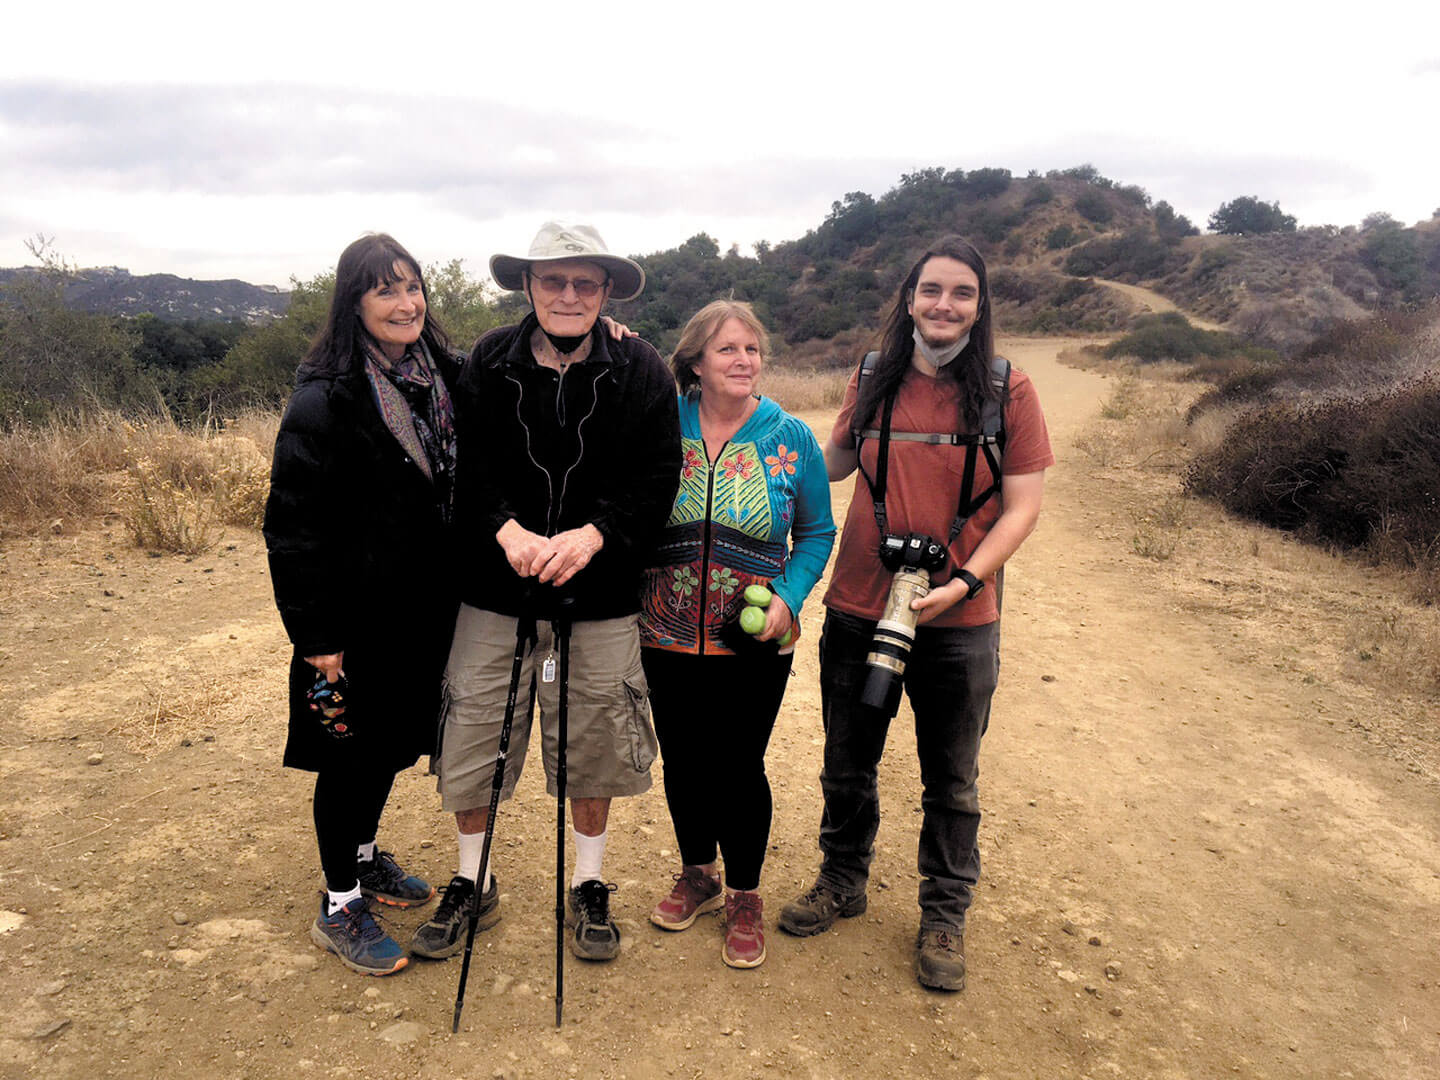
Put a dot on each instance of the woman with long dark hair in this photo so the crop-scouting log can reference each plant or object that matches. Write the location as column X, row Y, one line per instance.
column 951, row 448
column 358, row 531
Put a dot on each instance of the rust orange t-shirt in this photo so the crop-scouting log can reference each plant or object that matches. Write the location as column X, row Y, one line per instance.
column 923, row 491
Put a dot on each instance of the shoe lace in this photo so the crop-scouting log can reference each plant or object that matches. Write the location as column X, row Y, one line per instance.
column 455, row 898
column 595, row 898
column 385, row 869
column 692, row 883
column 743, row 911
column 363, row 924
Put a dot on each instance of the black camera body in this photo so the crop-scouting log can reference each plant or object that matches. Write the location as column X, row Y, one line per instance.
column 913, row 551
column 912, row 558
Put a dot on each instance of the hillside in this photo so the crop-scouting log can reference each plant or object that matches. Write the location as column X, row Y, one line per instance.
column 113, row 290
column 1045, row 238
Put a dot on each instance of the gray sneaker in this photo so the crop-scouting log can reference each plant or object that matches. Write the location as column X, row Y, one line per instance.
column 444, row 934
column 940, row 959
column 595, row 935
column 817, row 910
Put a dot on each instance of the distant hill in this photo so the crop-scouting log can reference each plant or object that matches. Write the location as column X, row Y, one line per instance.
column 113, row 290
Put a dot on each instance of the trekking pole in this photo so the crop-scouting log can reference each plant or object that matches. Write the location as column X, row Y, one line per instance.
column 524, row 632
column 562, row 631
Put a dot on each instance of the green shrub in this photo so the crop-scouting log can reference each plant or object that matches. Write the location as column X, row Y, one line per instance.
column 1061, row 236
column 1038, row 195
column 1170, row 336
column 1093, row 206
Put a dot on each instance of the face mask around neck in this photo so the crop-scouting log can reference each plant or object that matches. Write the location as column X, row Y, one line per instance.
column 940, row 357
column 564, row 345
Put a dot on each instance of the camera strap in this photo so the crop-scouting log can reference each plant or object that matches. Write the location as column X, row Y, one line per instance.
column 990, row 441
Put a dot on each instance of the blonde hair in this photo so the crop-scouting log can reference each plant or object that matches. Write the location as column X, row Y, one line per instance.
column 703, row 326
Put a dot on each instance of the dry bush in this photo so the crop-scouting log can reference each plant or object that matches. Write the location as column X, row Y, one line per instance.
column 183, row 485
column 55, row 473
column 1140, row 424
column 797, row 390
column 1350, row 471
column 1124, row 400
column 174, row 487
column 1158, row 528
column 1396, row 645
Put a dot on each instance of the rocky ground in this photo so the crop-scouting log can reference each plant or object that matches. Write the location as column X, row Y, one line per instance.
column 1210, row 844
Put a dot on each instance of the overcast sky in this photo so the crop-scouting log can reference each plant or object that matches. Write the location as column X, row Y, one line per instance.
column 256, row 140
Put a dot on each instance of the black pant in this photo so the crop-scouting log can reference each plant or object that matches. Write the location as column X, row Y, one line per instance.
column 950, row 678
column 348, row 804
column 713, row 716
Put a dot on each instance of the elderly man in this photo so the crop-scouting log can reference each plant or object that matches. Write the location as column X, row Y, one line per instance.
column 569, row 461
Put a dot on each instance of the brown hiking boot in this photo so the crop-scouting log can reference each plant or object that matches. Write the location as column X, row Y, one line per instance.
column 818, row 909
column 940, row 960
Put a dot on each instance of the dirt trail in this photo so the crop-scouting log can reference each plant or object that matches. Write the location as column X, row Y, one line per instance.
column 1179, row 786
column 1152, row 302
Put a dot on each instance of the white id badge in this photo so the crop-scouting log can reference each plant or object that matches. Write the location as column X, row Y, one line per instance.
column 547, row 670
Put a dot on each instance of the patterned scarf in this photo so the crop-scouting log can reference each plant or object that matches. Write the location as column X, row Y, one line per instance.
column 415, row 405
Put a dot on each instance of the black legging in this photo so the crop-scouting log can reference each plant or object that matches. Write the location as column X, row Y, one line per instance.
column 714, row 716
column 347, row 814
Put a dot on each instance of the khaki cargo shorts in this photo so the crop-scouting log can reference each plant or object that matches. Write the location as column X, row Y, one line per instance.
column 611, row 742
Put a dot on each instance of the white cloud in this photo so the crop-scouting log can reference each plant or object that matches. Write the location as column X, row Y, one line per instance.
column 256, row 142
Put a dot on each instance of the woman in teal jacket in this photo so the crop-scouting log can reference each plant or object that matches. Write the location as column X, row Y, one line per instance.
column 753, row 508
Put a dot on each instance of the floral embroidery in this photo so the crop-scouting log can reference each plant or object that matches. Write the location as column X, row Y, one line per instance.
column 685, row 581
column 782, row 460
column 739, row 465
column 690, row 464
column 723, row 581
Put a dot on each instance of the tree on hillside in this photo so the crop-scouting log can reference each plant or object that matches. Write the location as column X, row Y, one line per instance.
column 464, row 306
column 1170, row 225
column 260, row 369
column 53, row 357
column 1248, row 215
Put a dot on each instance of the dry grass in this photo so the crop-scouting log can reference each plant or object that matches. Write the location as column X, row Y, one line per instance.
column 1382, row 631
column 799, row 390
column 1159, row 526
column 53, row 475
column 174, row 488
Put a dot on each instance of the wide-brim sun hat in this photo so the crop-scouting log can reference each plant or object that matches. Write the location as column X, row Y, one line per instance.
column 560, row 242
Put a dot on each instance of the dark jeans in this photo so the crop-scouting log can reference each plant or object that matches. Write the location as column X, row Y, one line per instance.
column 949, row 679
column 713, row 716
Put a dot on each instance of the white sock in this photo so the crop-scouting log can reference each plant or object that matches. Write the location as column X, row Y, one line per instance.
column 366, row 852
column 337, row 900
column 472, row 846
column 589, row 857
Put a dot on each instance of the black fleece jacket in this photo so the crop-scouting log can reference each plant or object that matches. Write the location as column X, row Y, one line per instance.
column 598, row 445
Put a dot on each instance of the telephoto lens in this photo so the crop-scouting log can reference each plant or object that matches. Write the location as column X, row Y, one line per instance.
column 894, row 635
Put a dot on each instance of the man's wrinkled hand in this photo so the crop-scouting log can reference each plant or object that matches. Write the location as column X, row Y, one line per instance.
column 521, row 546
column 565, row 554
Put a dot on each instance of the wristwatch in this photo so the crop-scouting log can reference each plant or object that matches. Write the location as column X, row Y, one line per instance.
column 972, row 583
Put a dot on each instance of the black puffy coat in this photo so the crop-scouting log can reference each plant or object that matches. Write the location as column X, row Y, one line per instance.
column 361, row 560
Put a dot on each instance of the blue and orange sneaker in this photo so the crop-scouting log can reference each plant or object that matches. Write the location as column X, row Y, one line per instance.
column 355, row 937
column 382, row 879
